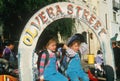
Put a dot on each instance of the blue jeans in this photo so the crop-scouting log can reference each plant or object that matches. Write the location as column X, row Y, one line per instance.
column 56, row 77
column 74, row 76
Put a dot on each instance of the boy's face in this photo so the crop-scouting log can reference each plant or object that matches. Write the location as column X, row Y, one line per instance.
column 52, row 46
column 75, row 47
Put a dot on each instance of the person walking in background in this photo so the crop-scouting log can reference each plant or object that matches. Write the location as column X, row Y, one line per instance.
column 99, row 60
column 99, row 64
column 8, row 52
column 115, row 37
column 116, row 51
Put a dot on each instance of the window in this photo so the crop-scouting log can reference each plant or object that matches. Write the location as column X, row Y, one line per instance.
column 114, row 16
column 84, row 1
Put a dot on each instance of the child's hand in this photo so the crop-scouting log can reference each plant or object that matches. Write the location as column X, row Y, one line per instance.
column 41, row 79
column 65, row 46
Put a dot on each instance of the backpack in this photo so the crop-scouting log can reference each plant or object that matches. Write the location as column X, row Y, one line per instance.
column 65, row 62
column 39, row 58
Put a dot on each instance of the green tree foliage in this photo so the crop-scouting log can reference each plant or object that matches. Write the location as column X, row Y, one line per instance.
column 63, row 26
column 14, row 15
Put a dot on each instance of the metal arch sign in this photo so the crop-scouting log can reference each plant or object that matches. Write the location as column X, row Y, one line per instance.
column 41, row 19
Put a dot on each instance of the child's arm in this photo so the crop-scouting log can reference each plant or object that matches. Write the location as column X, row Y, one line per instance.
column 70, row 52
column 42, row 65
column 84, row 48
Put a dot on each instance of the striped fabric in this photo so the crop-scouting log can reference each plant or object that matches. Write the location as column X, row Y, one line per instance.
column 42, row 63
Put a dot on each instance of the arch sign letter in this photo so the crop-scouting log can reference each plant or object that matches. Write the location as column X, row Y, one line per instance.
column 41, row 19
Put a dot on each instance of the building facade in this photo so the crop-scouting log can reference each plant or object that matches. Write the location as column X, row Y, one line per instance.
column 109, row 13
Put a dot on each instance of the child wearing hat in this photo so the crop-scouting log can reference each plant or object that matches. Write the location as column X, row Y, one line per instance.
column 74, row 70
